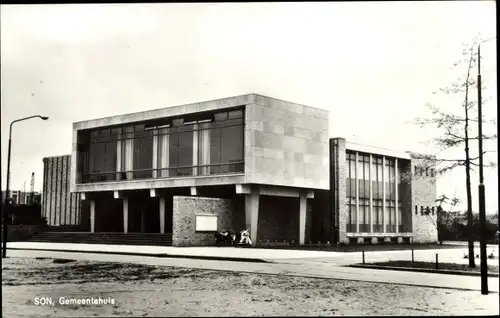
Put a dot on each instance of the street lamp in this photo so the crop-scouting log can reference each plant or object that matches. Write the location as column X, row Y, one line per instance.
column 7, row 194
column 482, row 199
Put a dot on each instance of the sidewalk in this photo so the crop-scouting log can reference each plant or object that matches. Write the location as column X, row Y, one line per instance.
column 220, row 253
column 256, row 254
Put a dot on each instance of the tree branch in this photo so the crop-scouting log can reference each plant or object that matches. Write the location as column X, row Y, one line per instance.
column 429, row 158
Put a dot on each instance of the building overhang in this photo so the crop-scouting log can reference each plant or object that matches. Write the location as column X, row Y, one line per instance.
column 159, row 183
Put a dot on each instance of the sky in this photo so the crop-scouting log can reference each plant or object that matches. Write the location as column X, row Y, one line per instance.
column 373, row 65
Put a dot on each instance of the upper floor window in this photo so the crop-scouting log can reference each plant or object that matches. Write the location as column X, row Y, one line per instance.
column 195, row 144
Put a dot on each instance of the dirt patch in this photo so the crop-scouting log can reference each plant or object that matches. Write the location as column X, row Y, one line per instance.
column 63, row 261
column 142, row 290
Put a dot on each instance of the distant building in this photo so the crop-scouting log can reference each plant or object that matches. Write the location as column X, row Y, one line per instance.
column 22, row 197
column 242, row 162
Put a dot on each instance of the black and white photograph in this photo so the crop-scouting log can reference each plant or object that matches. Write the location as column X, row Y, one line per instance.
column 236, row 159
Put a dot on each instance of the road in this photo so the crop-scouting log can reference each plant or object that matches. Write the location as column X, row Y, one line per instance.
column 321, row 268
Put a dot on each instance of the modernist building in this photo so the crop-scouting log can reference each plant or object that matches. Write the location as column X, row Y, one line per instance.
column 245, row 162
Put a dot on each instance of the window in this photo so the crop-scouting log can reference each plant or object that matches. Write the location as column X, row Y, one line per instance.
column 351, row 221
column 377, row 216
column 400, row 217
column 181, row 151
column 196, row 144
column 390, row 216
column 416, row 171
column 143, row 152
column 351, row 175
column 101, row 156
column 432, row 173
column 364, row 216
column 364, row 176
column 390, row 179
column 377, row 178
column 426, row 172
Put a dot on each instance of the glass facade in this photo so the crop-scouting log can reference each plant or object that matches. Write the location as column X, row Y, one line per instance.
column 351, row 192
column 364, row 192
column 384, row 206
column 192, row 145
column 378, row 193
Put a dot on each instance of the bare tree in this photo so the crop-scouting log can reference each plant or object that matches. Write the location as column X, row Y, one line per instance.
column 456, row 131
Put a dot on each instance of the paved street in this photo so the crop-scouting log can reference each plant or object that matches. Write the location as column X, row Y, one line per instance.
column 311, row 268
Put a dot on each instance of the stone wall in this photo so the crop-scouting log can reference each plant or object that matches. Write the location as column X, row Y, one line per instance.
column 286, row 144
column 338, row 148
column 423, row 193
column 184, row 219
column 59, row 205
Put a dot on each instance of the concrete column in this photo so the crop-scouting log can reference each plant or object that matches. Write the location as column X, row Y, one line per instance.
column 193, row 191
column 384, row 207
column 125, row 215
column 92, row 216
column 370, row 172
column 302, row 217
column 252, row 213
column 356, row 176
column 155, row 153
column 195, row 149
column 396, row 220
column 162, row 215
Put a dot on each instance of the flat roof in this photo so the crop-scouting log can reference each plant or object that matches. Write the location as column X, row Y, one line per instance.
column 170, row 111
column 377, row 150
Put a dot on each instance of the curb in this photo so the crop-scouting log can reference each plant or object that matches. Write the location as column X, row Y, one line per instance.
column 423, row 270
column 158, row 255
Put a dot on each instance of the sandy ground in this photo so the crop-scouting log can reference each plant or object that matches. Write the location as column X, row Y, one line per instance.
column 141, row 290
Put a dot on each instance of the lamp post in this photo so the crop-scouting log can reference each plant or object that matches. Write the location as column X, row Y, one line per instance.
column 7, row 193
column 482, row 199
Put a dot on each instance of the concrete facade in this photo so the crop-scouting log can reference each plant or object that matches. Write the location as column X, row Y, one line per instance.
column 184, row 218
column 286, row 144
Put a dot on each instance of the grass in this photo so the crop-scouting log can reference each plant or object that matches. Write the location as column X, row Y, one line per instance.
column 432, row 265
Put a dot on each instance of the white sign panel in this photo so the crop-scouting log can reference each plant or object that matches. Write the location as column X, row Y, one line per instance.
column 206, row 222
